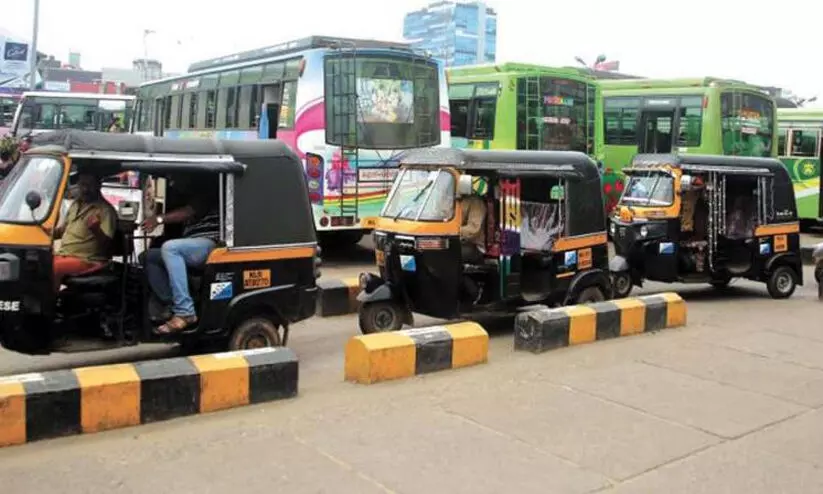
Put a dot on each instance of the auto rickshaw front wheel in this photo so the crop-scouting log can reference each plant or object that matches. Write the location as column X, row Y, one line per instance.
column 781, row 283
column 380, row 317
column 621, row 284
column 257, row 332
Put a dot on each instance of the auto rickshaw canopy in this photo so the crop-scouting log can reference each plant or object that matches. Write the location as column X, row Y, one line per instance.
column 265, row 198
column 584, row 212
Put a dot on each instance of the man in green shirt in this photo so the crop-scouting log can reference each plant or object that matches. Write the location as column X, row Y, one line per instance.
column 86, row 232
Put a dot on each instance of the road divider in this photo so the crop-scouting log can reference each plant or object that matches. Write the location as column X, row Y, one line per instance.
column 94, row 399
column 400, row 354
column 544, row 329
column 337, row 297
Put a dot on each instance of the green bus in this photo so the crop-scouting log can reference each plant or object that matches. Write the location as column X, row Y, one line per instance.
column 695, row 116
column 799, row 146
column 521, row 106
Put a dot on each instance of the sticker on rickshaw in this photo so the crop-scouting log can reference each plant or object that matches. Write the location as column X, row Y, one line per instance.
column 221, row 291
column 584, row 258
column 407, row 263
column 380, row 257
column 625, row 214
column 765, row 249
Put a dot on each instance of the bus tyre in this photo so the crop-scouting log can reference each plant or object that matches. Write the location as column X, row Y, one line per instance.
column 590, row 295
column 621, row 284
column 257, row 332
column 781, row 282
column 380, row 317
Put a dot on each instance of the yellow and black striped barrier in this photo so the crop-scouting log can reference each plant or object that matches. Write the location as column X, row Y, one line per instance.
column 385, row 356
column 94, row 399
column 337, row 297
column 544, row 329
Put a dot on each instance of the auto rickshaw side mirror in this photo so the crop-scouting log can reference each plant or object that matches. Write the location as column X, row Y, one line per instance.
column 33, row 200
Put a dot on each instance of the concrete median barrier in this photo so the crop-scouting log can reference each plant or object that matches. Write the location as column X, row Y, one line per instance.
column 400, row 354
column 337, row 297
column 544, row 329
column 93, row 399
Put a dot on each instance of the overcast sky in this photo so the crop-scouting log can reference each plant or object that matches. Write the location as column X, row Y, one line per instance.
column 657, row 38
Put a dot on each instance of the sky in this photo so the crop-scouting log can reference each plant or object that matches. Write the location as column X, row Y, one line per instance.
column 722, row 38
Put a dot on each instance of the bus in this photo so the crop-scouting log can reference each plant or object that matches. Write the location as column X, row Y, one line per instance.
column 41, row 111
column 524, row 106
column 696, row 116
column 347, row 107
column 799, row 145
column 8, row 105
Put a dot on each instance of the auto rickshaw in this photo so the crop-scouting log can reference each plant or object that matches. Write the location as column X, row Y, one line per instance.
column 706, row 219
column 543, row 236
column 258, row 281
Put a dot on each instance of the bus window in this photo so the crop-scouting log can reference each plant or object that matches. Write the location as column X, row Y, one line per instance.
column 781, row 142
column 459, row 109
column 620, row 120
column 804, row 143
column 747, row 124
column 193, row 107
column 211, row 108
column 483, row 118
column 232, row 94
column 77, row 117
column 565, row 110
column 690, row 121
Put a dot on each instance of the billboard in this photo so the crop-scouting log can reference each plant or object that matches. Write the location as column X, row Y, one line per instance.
column 14, row 63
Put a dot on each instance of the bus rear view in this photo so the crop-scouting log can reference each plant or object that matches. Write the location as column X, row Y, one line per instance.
column 45, row 111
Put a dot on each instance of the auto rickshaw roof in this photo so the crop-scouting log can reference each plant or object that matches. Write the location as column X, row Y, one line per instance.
column 157, row 154
column 567, row 163
column 738, row 165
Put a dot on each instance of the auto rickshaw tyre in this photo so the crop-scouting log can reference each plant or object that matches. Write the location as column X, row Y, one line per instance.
column 782, row 282
column 256, row 332
column 818, row 273
column 380, row 317
column 590, row 295
column 621, row 285
column 721, row 283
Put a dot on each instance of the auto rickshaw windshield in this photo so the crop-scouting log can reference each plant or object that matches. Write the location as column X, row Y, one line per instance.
column 33, row 174
column 424, row 195
column 652, row 189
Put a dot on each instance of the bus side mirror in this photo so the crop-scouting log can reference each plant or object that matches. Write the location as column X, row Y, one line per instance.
column 33, row 200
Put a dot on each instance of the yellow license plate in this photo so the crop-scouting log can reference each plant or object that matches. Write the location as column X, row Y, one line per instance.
column 380, row 257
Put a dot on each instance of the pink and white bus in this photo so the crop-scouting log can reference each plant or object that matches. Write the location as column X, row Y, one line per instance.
column 347, row 107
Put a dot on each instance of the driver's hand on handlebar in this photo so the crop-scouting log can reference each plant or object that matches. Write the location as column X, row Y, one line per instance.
column 149, row 224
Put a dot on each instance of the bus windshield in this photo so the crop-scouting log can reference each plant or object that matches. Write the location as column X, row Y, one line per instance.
column 41, row 113
column 565, row 115
column 385, row 101
column 38, row 174
column 654, row 189
column 421, row 195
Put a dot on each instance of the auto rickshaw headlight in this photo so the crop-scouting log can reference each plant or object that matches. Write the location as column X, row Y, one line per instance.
column 612, row 228
column 644, row 231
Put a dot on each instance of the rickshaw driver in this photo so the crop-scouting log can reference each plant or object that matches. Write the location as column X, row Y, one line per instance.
column 472, row 231
column 166, row 267
column 87, row 233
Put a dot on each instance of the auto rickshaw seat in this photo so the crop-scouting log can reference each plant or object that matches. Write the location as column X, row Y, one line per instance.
column 107, row 273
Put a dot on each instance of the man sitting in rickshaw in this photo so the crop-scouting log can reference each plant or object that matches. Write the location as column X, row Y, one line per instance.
column 166, row 267
column 86, row 233
column 472, row 231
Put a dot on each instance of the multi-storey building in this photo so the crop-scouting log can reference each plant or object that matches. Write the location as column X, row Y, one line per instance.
column 460, row 33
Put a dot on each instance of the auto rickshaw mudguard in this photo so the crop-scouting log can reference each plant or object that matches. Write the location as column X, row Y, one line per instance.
column 618, row 264
column 384, row 291
column 791, row 259
column 592, row 277
column 285, row 304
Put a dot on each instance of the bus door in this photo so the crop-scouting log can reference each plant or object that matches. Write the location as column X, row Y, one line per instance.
column 657, row 122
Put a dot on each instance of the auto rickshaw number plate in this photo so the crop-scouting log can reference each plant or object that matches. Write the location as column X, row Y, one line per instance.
column 781, row 243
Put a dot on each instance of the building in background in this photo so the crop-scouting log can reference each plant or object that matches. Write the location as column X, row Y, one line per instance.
column 460, row 33
column 74, row 59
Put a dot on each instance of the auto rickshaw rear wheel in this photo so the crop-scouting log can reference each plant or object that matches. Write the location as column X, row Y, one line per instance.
column 721, row 283
column 781, row 283
column 590, row 295
column 380, row 317
column 257, row 332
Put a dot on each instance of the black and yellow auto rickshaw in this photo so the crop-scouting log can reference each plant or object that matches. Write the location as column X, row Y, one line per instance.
column 706, row 219
column 540, row 236
column 257, row 281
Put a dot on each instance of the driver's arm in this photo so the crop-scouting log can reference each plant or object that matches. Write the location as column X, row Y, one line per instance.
column 476, row 214
column 60, row 229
